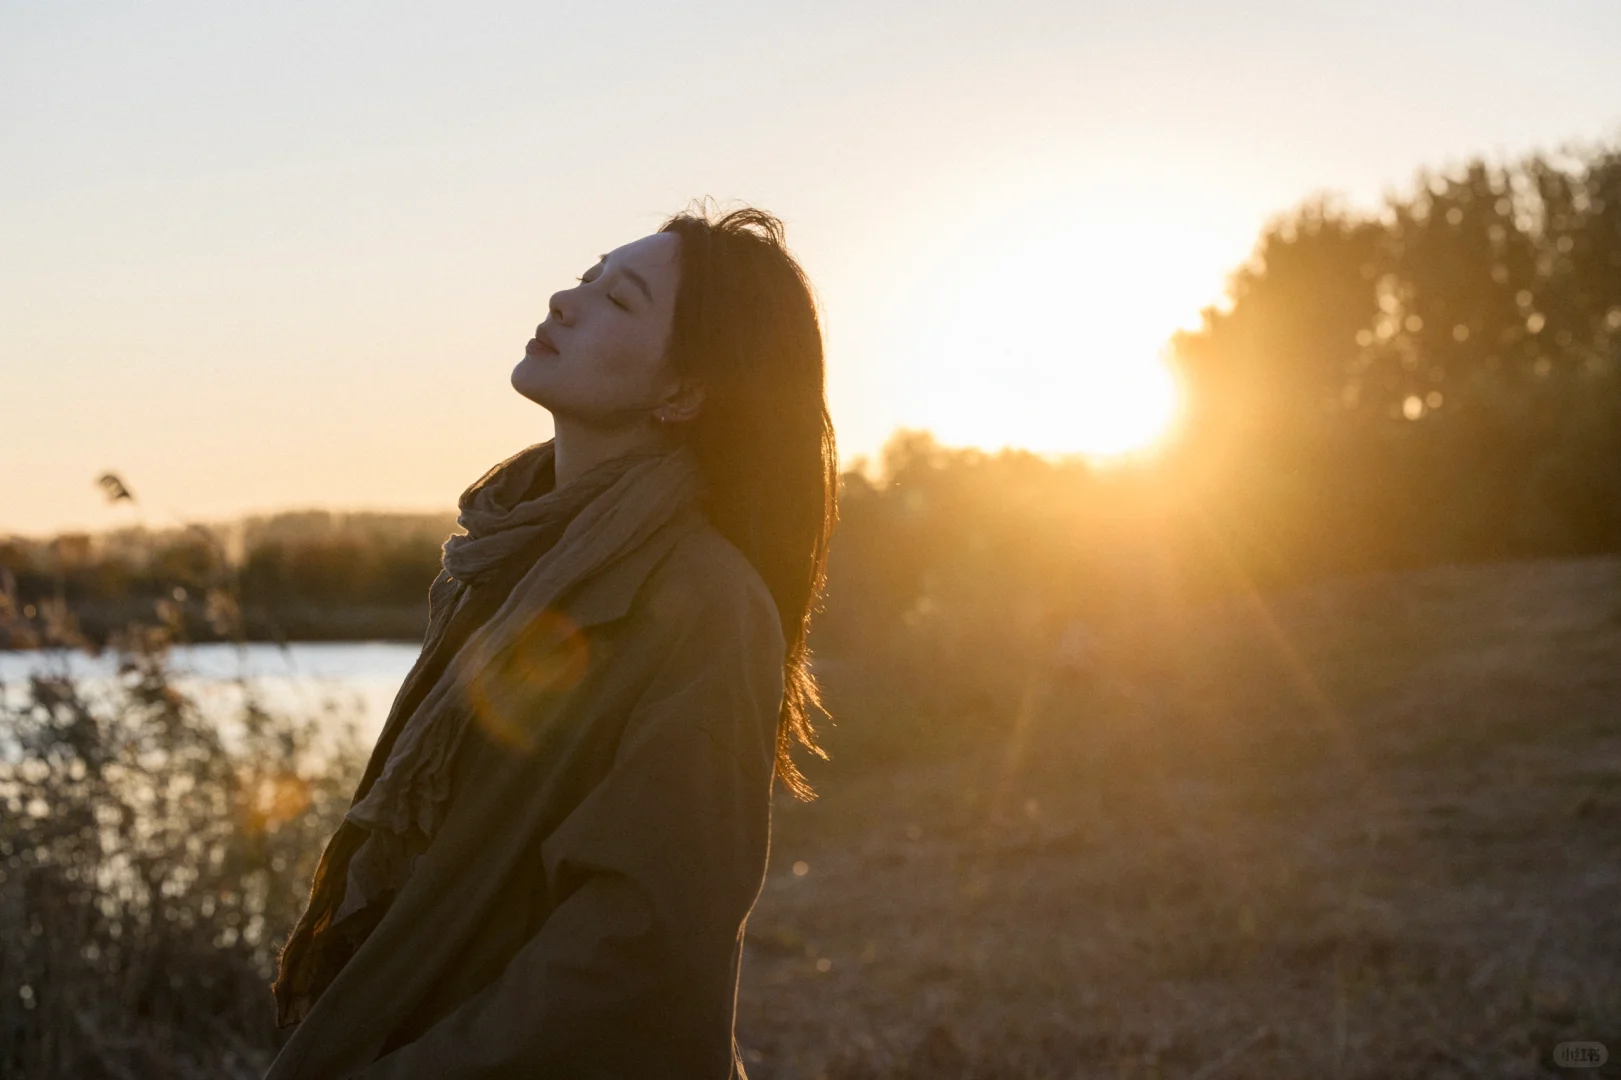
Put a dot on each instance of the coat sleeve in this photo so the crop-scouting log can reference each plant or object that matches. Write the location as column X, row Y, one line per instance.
column 634, row 972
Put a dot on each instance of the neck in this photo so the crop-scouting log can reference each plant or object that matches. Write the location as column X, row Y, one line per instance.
column 578, row 447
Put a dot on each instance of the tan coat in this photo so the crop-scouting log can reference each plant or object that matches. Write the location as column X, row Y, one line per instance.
column 580, row 913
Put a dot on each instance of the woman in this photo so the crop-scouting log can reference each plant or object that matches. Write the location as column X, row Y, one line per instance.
column 547, row 866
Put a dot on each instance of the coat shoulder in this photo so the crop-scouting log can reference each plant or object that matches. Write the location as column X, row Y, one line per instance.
column 705, row 578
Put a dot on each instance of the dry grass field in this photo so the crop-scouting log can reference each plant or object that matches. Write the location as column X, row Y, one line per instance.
column 1371, row 828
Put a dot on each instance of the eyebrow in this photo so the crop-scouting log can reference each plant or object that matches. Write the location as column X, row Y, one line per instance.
column 640, row 281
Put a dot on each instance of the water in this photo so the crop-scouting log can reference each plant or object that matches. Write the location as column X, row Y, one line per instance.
column 359, row 679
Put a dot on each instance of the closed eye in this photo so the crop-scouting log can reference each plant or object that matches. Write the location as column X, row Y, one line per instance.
column 622, row 307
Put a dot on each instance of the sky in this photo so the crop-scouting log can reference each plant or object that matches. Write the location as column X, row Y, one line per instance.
column 262, row 257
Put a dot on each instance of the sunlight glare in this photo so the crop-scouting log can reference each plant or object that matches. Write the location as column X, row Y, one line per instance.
column 1051, row 336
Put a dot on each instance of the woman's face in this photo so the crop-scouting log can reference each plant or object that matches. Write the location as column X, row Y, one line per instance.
column 600, row 355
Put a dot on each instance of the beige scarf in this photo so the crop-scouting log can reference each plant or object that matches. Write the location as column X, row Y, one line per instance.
column 521, row 651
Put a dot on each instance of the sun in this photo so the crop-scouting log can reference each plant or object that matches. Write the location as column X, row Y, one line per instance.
column 1051, row 336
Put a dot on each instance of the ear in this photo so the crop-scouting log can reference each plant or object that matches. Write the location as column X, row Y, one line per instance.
column 683, row 403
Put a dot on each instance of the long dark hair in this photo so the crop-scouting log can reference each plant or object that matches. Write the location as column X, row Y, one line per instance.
column 746, row 327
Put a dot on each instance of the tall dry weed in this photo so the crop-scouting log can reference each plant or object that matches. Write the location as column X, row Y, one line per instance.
column 152, row 857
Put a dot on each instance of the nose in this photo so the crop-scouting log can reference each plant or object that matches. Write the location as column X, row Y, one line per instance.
column 559, row 305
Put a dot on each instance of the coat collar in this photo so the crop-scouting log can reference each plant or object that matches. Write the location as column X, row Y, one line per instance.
column 607, row 594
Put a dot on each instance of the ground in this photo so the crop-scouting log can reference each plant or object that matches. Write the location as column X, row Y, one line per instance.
column 1368, row 828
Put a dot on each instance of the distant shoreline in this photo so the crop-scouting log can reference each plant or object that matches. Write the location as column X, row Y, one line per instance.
column 98, row 621
column 10, row 649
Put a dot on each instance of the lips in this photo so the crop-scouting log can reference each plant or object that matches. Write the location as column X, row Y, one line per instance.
column 540, row 344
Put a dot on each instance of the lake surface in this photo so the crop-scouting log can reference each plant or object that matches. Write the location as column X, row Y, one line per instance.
column 358, row 679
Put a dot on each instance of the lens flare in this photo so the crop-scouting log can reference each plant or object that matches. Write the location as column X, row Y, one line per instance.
column 515, row 691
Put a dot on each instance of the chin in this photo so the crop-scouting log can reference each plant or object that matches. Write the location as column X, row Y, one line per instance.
column 530, row 382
